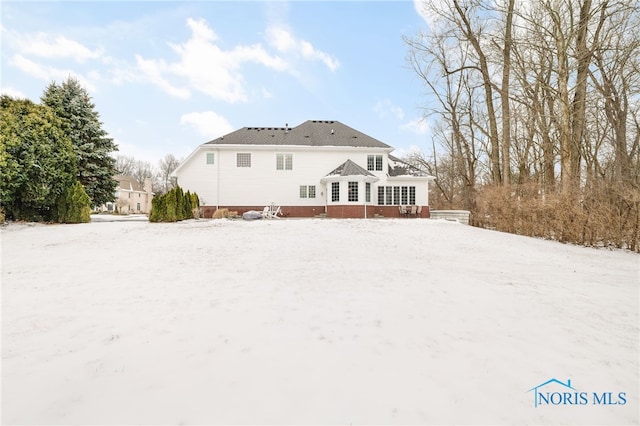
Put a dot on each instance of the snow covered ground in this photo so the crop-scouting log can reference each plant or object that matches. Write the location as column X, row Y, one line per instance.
column 313, row 321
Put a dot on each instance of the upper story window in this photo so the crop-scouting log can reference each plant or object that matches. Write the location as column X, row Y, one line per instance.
column 243, row 159
column 211, row 156
column 284, row 161
column 374, row 162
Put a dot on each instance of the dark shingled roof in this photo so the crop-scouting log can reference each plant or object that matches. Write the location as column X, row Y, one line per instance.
column 349, row 168
column 398, row 167
column 309, row 133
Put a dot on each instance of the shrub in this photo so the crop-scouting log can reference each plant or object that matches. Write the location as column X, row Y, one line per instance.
column 173, row 206
column 74, row 206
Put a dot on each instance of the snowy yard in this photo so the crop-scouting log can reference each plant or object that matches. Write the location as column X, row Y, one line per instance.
column 311, row 321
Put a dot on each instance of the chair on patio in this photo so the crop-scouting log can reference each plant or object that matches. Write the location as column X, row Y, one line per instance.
column 403, row 210
column 414, row 210
column 270, row 212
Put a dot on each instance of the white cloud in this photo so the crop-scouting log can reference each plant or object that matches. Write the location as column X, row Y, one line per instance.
column 285, row 42
column 153, row 71
column 419, row 126
column 48, row 46
column 435, row 21
column 385, row 108
column 48, row 73
column 14, row 93
column 208, row 123
column 206, row 67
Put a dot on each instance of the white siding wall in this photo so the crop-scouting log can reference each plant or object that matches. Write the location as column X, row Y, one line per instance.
column 225, row 184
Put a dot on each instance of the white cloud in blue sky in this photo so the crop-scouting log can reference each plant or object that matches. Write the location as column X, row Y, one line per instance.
column 193, row 71
column 209, row 124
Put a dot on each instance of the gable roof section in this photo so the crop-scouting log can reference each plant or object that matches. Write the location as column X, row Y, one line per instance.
column 349, row 168
column 128, row 183
column 398, row 167
column 309, row 133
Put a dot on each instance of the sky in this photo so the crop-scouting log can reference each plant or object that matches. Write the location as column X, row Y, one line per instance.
column 168, row 76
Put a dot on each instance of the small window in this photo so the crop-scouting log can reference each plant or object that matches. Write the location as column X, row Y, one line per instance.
column 137, row 206
column 307, row 191
column 412, row 195
column 129, row 195
column 404, row 195
column 284, row 161
column 211, row 156
column 335, row 191
column 353, row 191
column 381, row 195
column 367, row 192
column 396, row 195
column 370, row 162
column 243, row 159
column 379, row 163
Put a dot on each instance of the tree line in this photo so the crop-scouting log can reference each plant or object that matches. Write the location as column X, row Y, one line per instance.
column 55, row 157
column 536, row 108
column 57, row 163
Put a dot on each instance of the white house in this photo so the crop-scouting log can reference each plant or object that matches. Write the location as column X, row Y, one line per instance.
column 316, row 168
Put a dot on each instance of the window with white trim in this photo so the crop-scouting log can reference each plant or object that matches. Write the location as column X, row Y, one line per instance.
column 284, row 161
column 211, row 156
column 307, row 191
column 353, row 191
column 335, row 191
column 243, row 159
column 367, row 192
column 396, row 195
column 374, row 162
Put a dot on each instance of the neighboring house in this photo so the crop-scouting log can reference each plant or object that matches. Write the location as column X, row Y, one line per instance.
column 131, row 197
column 316, row 168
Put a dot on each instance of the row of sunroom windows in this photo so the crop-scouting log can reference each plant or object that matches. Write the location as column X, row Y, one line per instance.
column 387, row 195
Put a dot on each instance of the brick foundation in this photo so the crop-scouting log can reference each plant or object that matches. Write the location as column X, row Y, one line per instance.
column 340, row 211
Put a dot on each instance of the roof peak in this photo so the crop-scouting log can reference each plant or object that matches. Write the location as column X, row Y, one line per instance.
column 309, row 133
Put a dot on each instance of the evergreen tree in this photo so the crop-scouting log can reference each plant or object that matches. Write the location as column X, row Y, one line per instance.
column 75, row 205
column 37, row 161
column 187, row 208
column 96, row 166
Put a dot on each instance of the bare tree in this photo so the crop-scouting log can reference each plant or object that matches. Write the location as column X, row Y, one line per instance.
column 165, row 167
column 138, row 169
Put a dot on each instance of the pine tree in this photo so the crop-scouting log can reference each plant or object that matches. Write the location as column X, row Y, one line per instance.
column 96, row 166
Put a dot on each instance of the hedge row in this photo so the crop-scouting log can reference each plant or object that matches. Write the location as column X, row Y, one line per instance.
column 175, row 205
